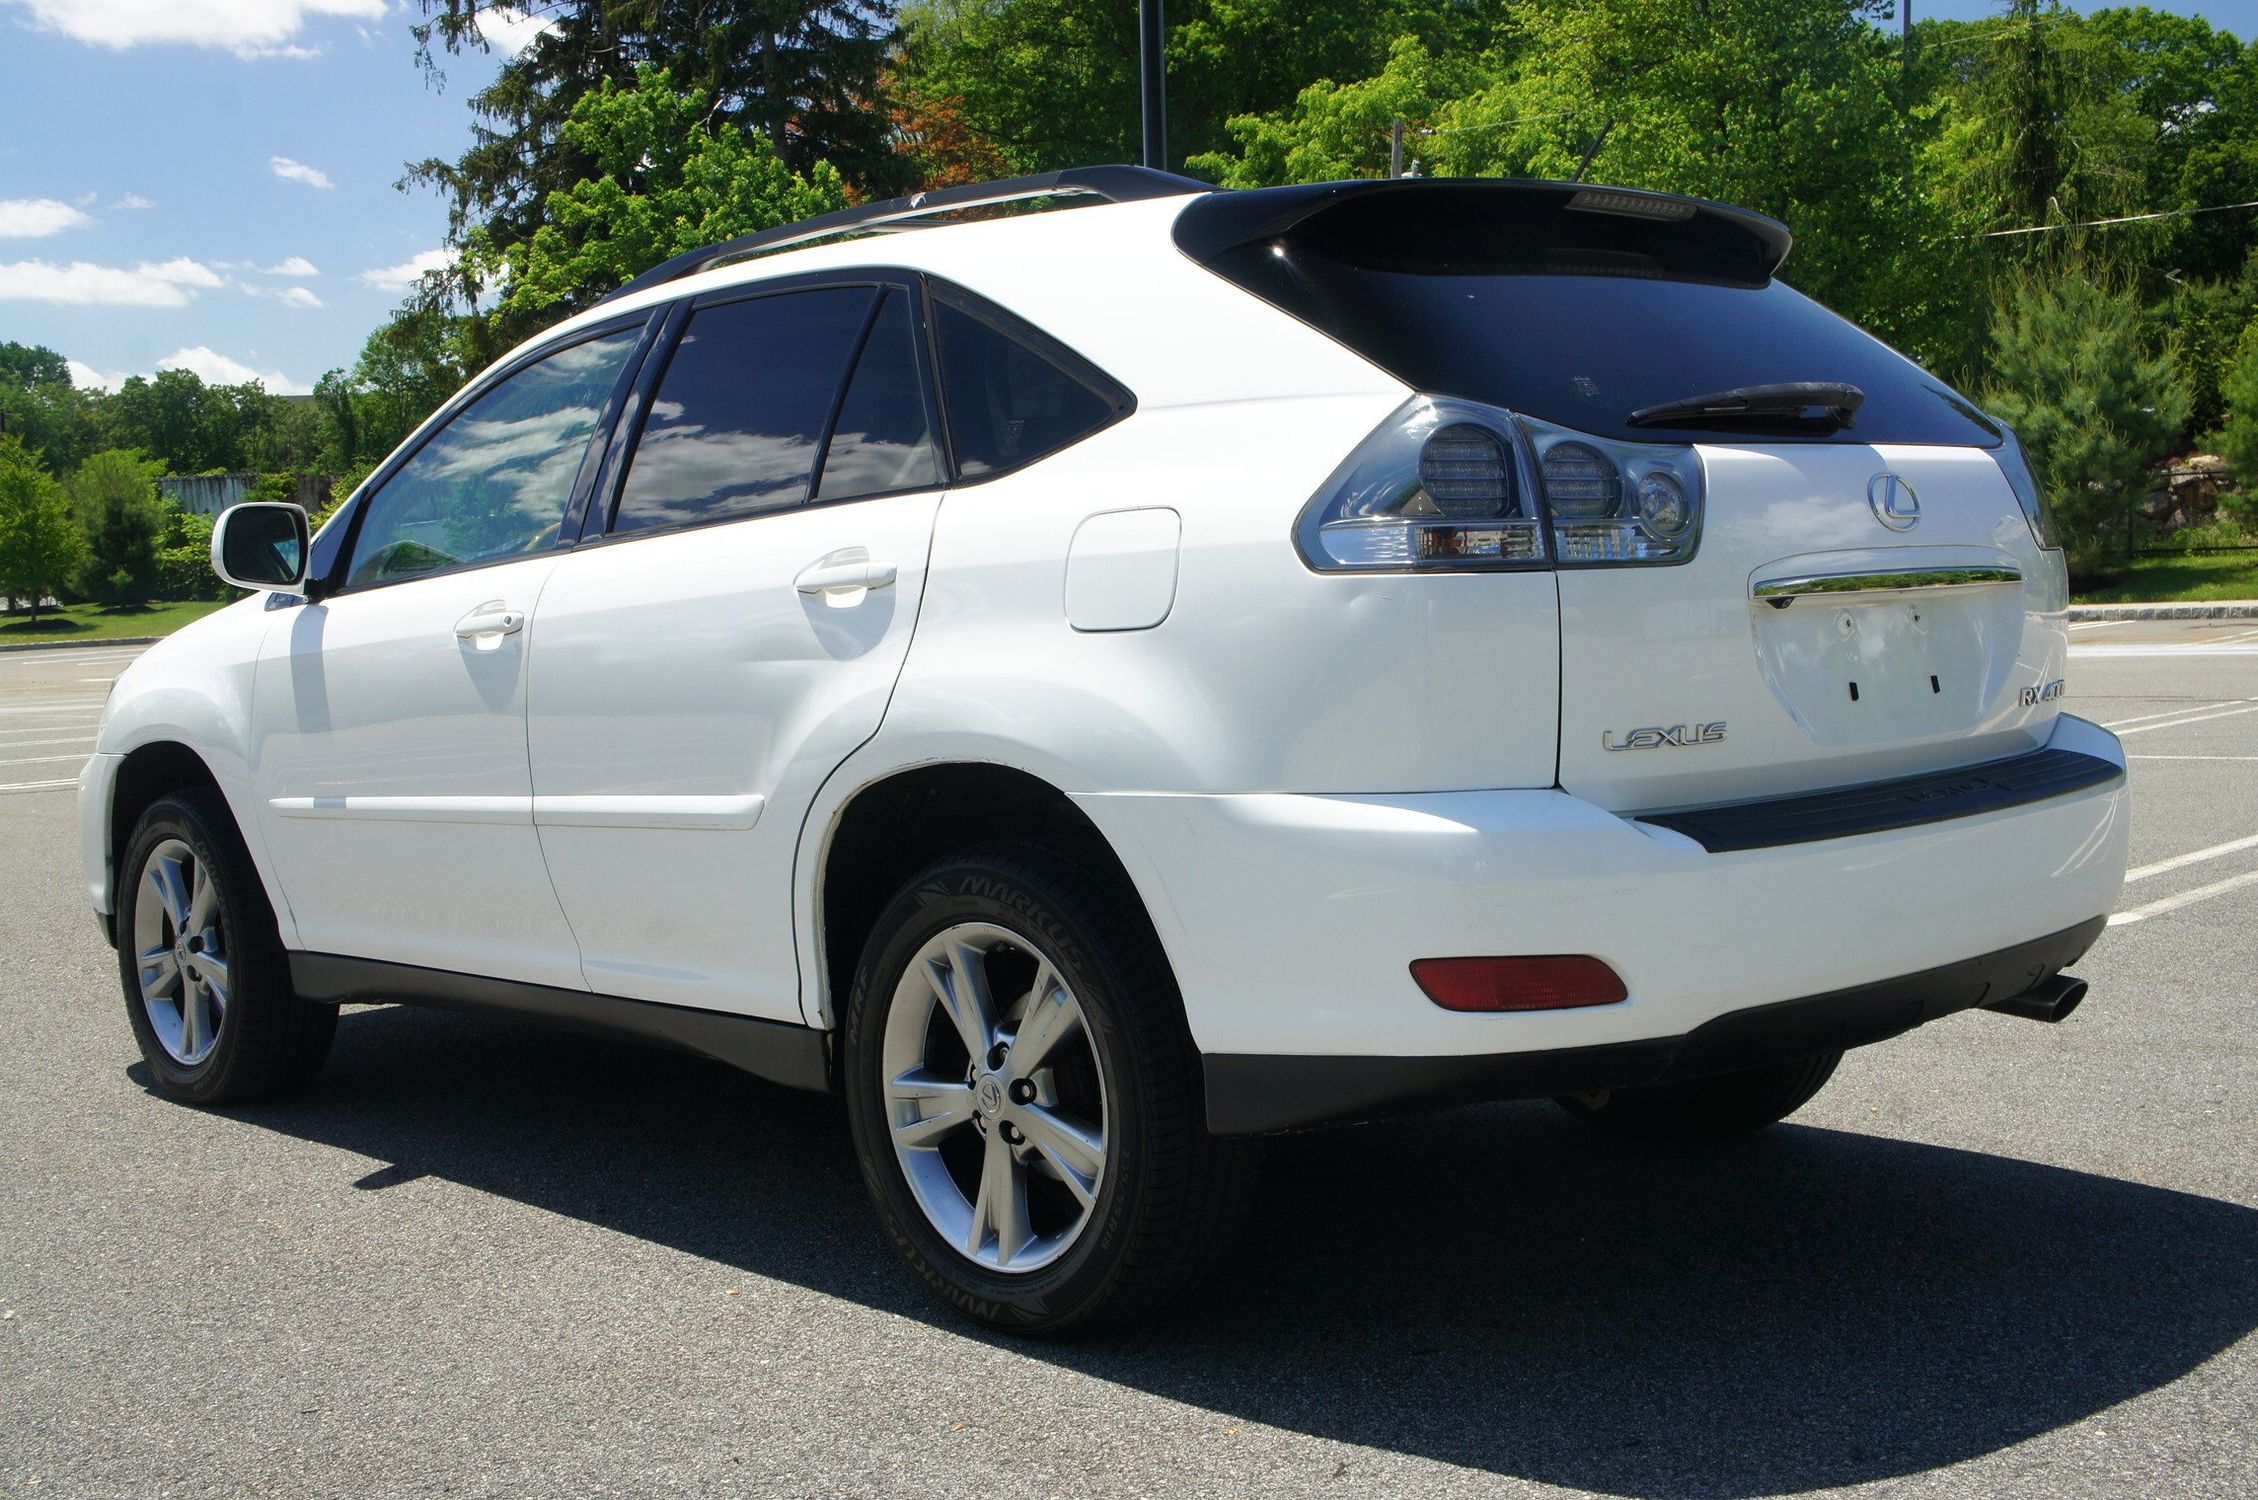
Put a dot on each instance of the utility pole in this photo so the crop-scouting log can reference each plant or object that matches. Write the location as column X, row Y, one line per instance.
column 1395, row 150
column 1153, row 79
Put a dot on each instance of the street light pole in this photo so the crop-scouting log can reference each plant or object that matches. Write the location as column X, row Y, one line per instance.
column 1152, row 71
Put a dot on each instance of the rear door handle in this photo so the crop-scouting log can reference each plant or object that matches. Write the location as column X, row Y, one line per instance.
column 842, row 577
column 485, row 626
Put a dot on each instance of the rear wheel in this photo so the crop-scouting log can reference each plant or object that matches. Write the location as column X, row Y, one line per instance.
column 207, row 984
column 1025, row 1100
column 1727, row 1104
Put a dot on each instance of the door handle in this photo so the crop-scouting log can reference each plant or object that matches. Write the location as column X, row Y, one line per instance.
column 842, row 577
column 485, row 626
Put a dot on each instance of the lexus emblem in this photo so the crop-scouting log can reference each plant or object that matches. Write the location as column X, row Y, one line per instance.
column 1895, row 504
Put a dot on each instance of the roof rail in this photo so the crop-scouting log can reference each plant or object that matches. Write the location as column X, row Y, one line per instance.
column 1113, row 184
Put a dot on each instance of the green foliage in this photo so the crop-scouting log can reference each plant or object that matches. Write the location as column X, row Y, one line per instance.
column 660, row 181
column 114, row 495
column 40, row 546
column 2096, row 410
column 2237, row 437
column 184, row 555
column 28, row 366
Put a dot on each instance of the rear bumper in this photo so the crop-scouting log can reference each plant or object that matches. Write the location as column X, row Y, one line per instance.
column 1249, row 1094
column 1292, row 921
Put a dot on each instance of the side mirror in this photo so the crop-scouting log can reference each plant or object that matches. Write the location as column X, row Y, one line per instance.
column 260, row 545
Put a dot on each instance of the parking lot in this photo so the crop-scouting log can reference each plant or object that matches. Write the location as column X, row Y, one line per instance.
column 1993, row 1257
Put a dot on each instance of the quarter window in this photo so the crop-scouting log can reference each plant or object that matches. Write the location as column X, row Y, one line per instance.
column 738, row 418
column 1010, row 403
column 496, row 480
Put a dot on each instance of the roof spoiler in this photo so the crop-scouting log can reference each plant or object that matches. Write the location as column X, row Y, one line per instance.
column 1470, row 225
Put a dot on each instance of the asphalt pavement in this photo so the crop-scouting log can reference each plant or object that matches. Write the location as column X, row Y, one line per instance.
column 477, row 1259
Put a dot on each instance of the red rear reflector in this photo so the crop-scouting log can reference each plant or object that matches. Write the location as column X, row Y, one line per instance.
column 1557, row 981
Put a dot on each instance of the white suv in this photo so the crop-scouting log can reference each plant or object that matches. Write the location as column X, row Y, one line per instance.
column 1098, row 686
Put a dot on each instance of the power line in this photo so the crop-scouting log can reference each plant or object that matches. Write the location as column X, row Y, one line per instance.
column 2169, row 213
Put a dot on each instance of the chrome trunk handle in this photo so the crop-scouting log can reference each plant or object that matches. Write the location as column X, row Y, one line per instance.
column 1782, row 592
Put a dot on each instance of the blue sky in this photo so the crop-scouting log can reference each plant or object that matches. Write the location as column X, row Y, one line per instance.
column 209, row 183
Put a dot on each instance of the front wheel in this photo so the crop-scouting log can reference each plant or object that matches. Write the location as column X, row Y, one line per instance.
column 1727, row 1104
column 1025, row 1099
column 207, row 983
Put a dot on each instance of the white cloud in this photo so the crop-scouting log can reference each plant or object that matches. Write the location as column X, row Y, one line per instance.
column 171, row 283
column 249, row 28
column 36, row 218
column 298, row 171
column 130, row 203
column 296, row 265
column 511, row 30
column 87, row 378
column 215, row 368
column 407, row 273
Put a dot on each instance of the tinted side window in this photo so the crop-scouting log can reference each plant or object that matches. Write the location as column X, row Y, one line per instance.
column 882, row 441
column 495, row 481
column 1009, row 404
column 740, row 411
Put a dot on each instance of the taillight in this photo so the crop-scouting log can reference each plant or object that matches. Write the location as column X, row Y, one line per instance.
column 1450, row 485
column 2016, row 465
column 1553, row 981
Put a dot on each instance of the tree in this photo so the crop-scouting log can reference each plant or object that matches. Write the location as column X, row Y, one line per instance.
column 40, row 548
column 2237, row 437
column 660, row 182
column 114, row 494
column 2096, row 409
column 28, row 365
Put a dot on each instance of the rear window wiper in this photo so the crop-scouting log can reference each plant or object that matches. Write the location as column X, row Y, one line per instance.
column 1820, row 402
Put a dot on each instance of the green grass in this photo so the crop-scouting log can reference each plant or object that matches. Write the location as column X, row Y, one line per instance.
column 2177, row 578
column 96, row 622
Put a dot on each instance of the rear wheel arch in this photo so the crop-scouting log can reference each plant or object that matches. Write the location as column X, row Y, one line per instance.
column 899, row 824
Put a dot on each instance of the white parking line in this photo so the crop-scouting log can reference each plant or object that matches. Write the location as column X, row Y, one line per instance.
column 2248, row 708
column 75, row 739
column 36, row 786
column 2185, row 898
column 2192, row 757
column 2169, row 713
column 71, row 723
column 2106, row 648
column 2195, row 857
column 64, row 705
column 28, row 760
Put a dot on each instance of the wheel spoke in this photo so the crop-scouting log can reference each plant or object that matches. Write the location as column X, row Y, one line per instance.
column 166, row 883
column 194, row 1019
column 1076, row 1154
column 1053, row 1014
column 203, row 901
column 961, row 986
column 940, row 1104
column 158, row 970
column 1001, row 1206
column 212, row 969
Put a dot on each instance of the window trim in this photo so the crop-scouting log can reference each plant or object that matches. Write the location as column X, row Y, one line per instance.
column 603, row 509
column 334, row 584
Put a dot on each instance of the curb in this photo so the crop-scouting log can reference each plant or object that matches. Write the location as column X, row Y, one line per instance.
column 2224, row 609
column 108, row 640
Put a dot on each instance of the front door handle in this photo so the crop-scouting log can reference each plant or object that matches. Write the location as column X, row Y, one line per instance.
column 485, row 626
column 844, row 576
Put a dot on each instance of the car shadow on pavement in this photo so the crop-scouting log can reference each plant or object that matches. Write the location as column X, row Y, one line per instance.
column 1489, row 1287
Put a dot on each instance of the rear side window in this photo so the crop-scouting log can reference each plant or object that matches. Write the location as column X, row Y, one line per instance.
column 882, row 440
column 737, row 422
column 1014, row 395
column 1579, row 319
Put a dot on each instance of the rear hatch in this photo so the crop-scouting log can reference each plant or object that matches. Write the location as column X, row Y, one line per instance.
column 1862, row 593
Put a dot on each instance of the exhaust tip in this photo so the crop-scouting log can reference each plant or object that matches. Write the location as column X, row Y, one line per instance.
column 2049, row 1000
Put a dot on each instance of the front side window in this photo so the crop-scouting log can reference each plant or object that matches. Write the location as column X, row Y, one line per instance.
column 495, row 482
column 738, row 419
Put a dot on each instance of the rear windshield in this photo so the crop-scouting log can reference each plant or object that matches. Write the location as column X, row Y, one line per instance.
column 1587, row 350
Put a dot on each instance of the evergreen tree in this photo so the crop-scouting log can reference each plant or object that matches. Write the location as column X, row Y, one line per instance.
column 115, row 496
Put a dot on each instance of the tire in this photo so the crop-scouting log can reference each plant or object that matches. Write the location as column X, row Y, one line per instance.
column 1145, row 1211
column 186, row 857
column 1727, row 1104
